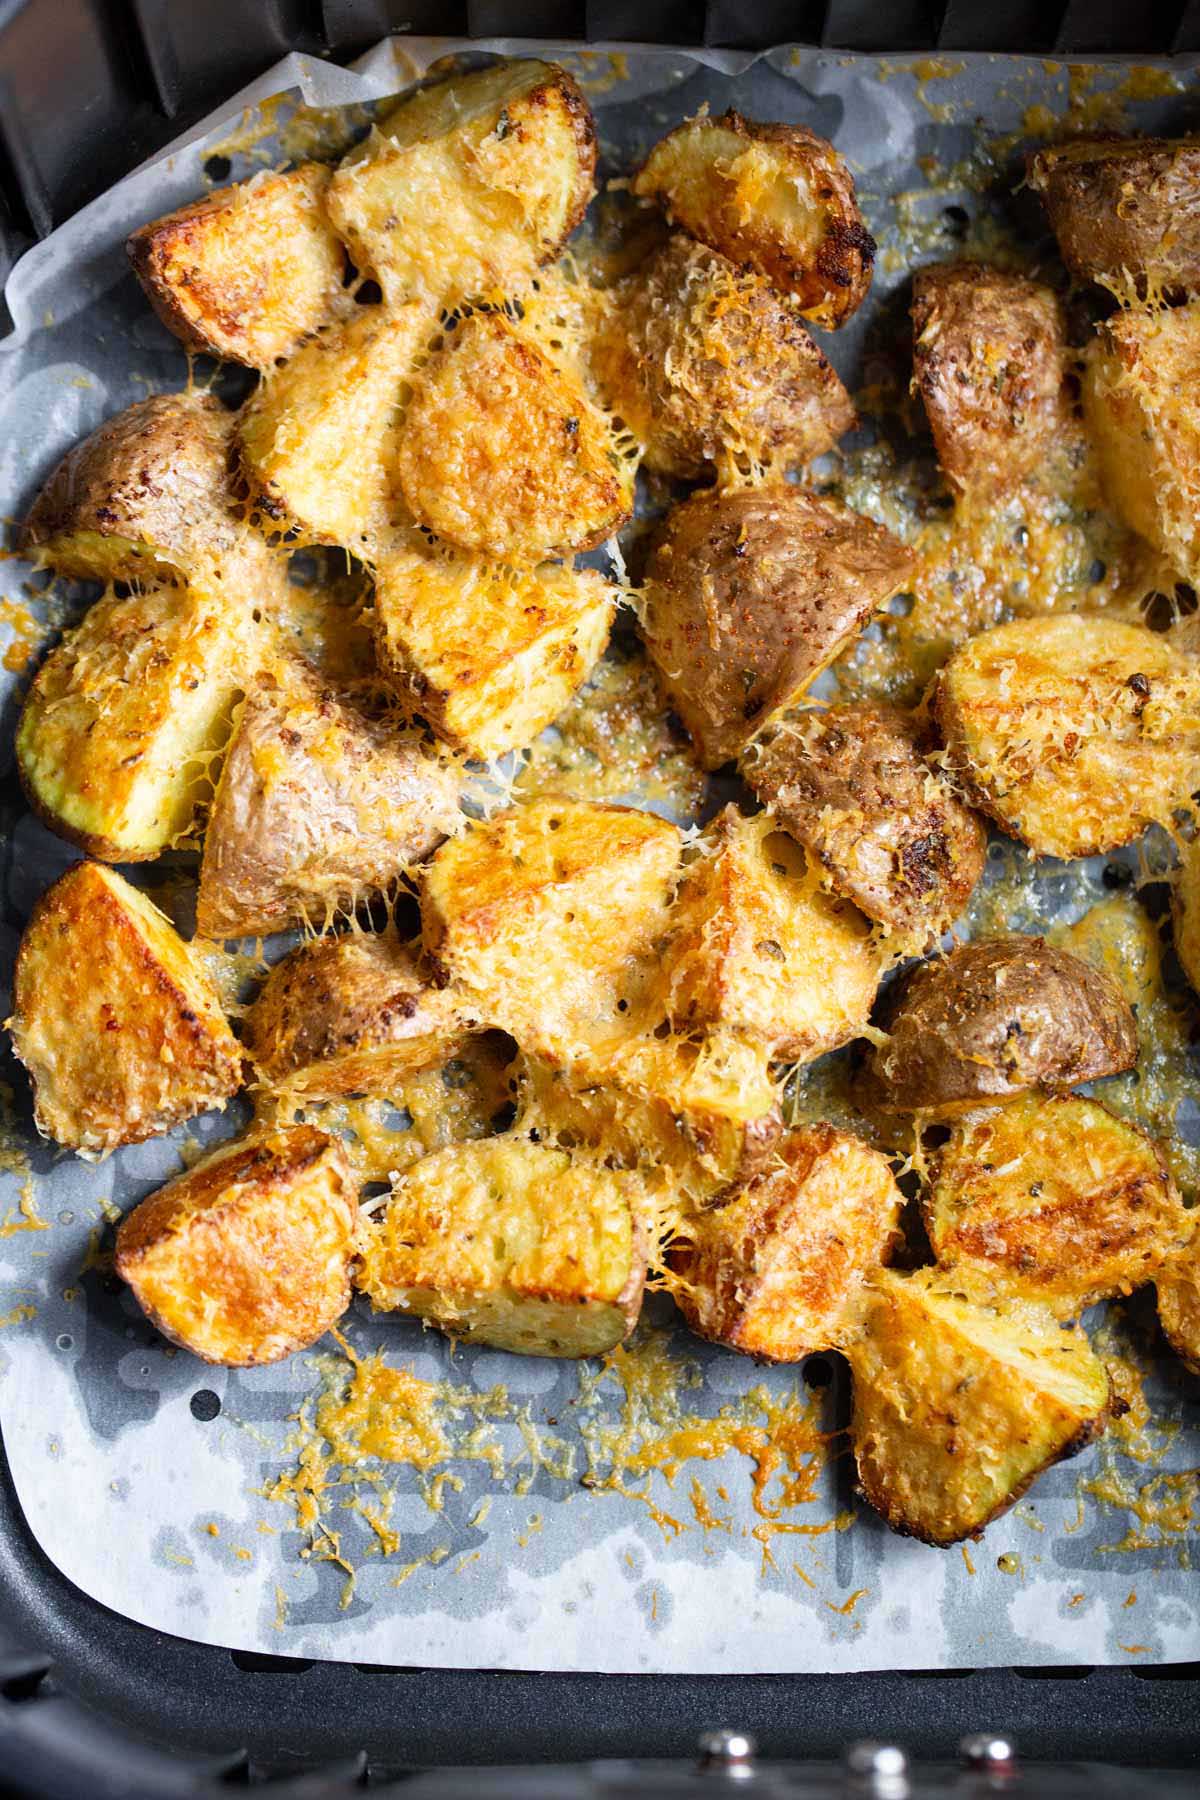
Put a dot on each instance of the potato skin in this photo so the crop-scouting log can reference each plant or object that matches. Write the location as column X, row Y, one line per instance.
column 120, row 1030
column 1073, row 732
column 511, row 1243
column 467, row 187
column 750, row 594
column 775, row 196
column 709, row 366
column 851, row 785
column 1055, row 1200
column 246, row 1258
column 348, row 1015
column 248, row 271
column 502, row 452
column 754, row 947
column 147, row 494
column 1140, row 383
column 990, row 363
column 317, row 808
column 1124, row 208
column 777, row 1270
column 995, row 1018
column 959, row 1407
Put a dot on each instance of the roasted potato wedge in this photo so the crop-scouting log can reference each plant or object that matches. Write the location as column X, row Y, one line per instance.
column 124, row 719
column 778, row 1271
column 750, row 594
column 1056, row 1200
column 959, row 1407
column 996, row 1018
column 503, row 453
column 489, row 656
column 851, row 785
column 1179, row 1312
column 774, row 196
column 757, row 948
column 249, row 271
column 1187, row 912
column 1074, row 733
column 121, row 1032
column 1140, row 383
column 317, row 809
column 318, row 436
column 349, row 1015
column 514, row 1244
column 709, row 366
column 544, row 914
column 706, row 1109
column 990, row 362
column 467, row 187
column 1125, row 211
column 246, row 1258
column 149, row 495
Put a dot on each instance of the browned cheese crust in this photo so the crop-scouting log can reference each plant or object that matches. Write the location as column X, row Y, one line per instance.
column 750, row 594
column 709, row 365
column 851, row 785
column 246, row 1258
column 990, row 361
column 120, row 1030
column 348, row 1015
column 995, row 1018
column 775, row 196
column 1179, row 1309
column 1125, row 211
column 777, row 1271
column 249, row 271
column 317, row 809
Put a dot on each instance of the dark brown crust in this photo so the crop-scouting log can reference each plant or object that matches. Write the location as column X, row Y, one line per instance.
column 583, row 124
column 1124, row 204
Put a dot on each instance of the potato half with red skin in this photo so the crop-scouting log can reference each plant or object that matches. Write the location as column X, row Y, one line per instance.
column 777, row 1270
column 750, row 594
column 1125, row 211
column 775, row 196
column 994, row 1019
column 990, row 362
column 246, row 1257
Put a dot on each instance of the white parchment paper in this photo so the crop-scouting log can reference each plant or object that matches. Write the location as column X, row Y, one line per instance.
column 159, row 1513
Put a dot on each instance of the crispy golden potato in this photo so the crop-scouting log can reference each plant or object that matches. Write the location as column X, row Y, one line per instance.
column 959, row 1407
column 489, row 656
column 148, row 495
column 709, row 365
column 467, row 187
column 1179, row 1311
column 247, row 272
column 775, row 196
column 851, row 785
column 1074, row 733
column 750, row 594
column 123, row 721
column 1140, row 383
column 503, row 453
column 1056, row 1200
column 246, row 1258
column 705, row 1109
column 757, row 948
column 1187, row 911
column 317, row 809
column 1125, row 211
column 514, row 1244
column 778, row 1270
column 990, row 362
column 349, row 1015
column 121, row 1032
column 543, row 916
column 995, row 1018
column 318, row 436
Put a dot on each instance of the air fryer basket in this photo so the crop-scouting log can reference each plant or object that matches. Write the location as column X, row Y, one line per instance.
column 93, row 1704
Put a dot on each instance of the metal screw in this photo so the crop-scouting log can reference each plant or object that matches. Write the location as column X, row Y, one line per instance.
column 726, row 1752
column 988, row 1750
column 880, row 1769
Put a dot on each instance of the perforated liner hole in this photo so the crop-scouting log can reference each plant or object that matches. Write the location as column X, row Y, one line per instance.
column 205, row 1405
